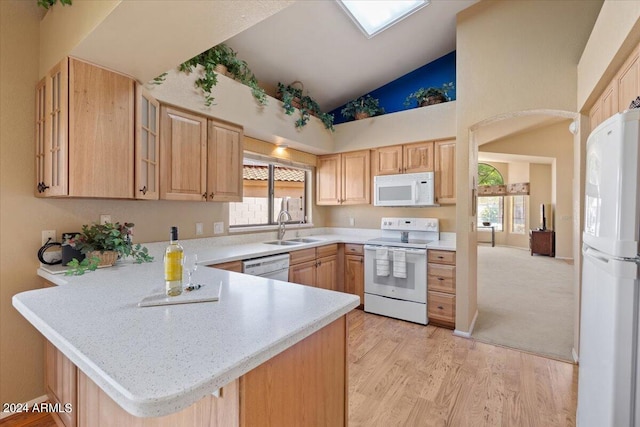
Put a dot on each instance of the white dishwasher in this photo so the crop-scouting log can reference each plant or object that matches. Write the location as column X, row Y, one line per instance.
column 270, row 267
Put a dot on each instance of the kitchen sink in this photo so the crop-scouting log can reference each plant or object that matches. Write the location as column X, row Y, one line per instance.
column 282, row 243
column 303, row 240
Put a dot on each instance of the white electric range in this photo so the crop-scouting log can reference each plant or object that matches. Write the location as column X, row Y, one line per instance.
column 395, row 278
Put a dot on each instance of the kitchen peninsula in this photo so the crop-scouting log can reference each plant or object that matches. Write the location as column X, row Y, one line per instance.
column 275, row 350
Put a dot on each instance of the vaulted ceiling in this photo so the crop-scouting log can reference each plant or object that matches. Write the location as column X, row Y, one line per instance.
column 316, row 43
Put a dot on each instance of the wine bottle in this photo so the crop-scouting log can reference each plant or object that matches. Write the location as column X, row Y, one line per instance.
column 173, row 260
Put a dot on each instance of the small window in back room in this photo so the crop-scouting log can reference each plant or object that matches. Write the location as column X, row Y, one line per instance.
column 268, row 188
column 518, row 214
column 491, row 192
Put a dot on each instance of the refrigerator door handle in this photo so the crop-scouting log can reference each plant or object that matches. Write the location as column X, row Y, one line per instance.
column 595, row 255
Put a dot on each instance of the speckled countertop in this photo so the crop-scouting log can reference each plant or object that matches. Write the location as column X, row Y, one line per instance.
column 155, row 361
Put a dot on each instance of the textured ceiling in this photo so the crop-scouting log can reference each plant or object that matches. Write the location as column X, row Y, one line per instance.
column 316, row 43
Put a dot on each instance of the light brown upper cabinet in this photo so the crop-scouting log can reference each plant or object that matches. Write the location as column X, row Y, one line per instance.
column 84, row 132
column 200, row 159
column 408, row 158
column 627, row 82
column 622, row 89
column 445, row 171
column 224, row 174
column 96, row 134
column 418, row 157
column 387, row 160
column 183, row 156
column 344, row 179
column 147, row 145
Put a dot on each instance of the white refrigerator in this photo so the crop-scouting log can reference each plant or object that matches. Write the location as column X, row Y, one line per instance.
column 609, row 373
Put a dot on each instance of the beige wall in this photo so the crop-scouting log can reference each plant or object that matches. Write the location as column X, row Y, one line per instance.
column 556, row 142
column 368, row 216
column 511, row 56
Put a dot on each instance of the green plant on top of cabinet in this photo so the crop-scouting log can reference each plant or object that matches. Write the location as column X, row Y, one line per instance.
column 86, row 133
column 362, row 108
column 344, row 179
column 199, row 164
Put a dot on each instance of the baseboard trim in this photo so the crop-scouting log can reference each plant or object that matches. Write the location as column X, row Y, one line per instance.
column 30, row 403
column 462, row 334
column 574, row 353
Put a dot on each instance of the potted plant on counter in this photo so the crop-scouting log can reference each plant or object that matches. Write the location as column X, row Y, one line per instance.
column 429, row 96
column 102, row 245
column 361, row 108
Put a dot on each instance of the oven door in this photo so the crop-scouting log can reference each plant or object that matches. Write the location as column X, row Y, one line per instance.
column 412, row 288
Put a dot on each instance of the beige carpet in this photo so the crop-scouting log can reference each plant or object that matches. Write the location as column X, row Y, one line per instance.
column 525, row 302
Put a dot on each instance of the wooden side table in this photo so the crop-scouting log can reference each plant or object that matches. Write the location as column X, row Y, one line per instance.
column 542, row 242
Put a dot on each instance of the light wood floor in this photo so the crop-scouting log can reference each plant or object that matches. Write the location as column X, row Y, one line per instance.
column 403, row 374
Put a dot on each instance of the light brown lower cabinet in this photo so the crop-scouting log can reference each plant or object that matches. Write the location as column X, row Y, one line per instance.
column 354, row 271
column 60, row 384
column 304, row 385
column 229, row 266
column 316, row 267
column 441, row 285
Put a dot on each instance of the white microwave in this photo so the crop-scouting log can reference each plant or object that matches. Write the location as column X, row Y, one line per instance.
column 408, row 189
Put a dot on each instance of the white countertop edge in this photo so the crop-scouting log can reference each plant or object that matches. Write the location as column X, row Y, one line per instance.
column 167, row 405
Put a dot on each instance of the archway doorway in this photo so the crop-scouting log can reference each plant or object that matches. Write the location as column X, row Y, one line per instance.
column 528, row 302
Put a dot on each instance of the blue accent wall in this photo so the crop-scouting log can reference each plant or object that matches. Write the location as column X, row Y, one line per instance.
column 393, row 94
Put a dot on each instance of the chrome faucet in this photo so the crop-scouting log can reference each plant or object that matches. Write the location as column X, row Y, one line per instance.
column 281, row 223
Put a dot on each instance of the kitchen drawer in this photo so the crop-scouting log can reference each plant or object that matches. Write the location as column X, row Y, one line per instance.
column 229, row 266
column 327, row 250
column 441, row 278
column 303, row 255
column 441, row 257
column 441, row 308
column 353, row 249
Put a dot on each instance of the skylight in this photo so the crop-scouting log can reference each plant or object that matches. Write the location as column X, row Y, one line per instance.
column 373, row 17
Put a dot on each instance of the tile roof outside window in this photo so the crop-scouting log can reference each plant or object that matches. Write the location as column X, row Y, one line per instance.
column 261, row 173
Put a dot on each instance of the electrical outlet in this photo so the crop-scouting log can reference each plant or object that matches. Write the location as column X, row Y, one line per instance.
column 218, row 227
column 352, row 221
column 199, row 229
column 105, row 219
column 48, row 234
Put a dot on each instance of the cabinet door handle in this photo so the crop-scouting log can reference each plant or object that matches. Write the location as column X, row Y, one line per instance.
column 204, row 196
column 361, row 260
column 440, row 257
column 319, row 263
column 440, row 307
column 211, row 195
column 144, row 190
column 42, row 187
column 440, row 278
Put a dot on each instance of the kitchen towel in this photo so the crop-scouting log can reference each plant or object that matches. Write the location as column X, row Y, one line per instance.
column 400, row 263
column 382, row 262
